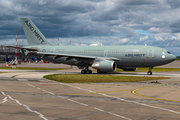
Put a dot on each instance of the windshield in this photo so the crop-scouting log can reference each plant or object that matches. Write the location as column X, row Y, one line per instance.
column 168, row 52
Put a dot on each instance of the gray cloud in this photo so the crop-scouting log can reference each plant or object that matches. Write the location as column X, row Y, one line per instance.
column 108, row 22
column 139, row 2
column 174, row 3
column 154, row 30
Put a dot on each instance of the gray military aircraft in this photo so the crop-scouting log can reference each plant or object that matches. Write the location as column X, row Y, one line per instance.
column 103, row 58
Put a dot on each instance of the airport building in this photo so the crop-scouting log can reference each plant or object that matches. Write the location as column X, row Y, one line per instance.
column 8, row 54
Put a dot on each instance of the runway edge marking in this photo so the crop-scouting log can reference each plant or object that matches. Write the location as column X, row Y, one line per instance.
column 83, row 103
column 119, row 116
column 99, row 109
column 27, row 107
column 5, row 99
column 77, row 102
column 128, row 100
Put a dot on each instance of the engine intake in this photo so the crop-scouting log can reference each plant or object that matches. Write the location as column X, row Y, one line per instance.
column 105, row 66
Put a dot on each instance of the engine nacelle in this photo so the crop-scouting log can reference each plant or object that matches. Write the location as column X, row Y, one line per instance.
column 129, row 68
column 105, row 66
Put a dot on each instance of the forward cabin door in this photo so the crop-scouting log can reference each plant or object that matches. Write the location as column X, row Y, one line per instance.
column 150, row 53
column 105, row 53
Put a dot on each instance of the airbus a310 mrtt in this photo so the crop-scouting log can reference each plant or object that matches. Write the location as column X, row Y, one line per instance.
column 103, row 58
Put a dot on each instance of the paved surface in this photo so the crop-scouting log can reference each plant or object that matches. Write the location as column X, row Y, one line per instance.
column 175, row 64
column 26, row 95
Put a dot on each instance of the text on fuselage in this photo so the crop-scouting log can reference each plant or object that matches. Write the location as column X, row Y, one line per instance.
column 134, row 55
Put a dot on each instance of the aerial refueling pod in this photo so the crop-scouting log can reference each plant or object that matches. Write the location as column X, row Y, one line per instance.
column 129, row 68
column 105, row 66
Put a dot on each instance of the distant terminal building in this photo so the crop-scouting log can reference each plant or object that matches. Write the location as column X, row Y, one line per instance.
column 7, row 54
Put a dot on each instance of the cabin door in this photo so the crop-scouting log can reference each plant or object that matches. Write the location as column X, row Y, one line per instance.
column 105, row 53
column 150, row 53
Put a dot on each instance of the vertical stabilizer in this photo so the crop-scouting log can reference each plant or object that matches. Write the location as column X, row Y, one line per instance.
column 33, row 35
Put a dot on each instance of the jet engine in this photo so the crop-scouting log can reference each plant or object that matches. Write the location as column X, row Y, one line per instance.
column 105, row 66
column 129, row 68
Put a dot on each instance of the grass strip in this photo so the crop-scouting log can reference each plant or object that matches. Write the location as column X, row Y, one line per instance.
column 32, row 68
column 153, row 70
column 71, row 78
column 147, row 69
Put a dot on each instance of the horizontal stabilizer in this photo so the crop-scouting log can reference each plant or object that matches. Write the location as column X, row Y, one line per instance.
column 29, row 49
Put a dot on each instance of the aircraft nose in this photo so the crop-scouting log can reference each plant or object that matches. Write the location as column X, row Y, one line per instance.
column 172, row 57
column 169, row 58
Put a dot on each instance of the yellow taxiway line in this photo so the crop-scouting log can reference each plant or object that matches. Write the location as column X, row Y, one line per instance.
column 134, row 92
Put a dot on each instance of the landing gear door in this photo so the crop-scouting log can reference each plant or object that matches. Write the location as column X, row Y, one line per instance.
column 150, row 53
column 105, row 53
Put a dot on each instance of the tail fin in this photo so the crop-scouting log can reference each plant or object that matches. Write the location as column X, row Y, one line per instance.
column 33, row 35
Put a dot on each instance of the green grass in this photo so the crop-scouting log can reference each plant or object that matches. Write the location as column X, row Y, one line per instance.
column 147, row 69
column 32, row 68
column 177, row 58
column 71, row 78
column 153, row 70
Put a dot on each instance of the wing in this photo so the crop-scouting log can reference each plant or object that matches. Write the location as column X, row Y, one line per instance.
column 59, row 55
column 84, row 58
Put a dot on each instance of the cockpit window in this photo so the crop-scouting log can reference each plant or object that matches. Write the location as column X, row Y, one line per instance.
column 168, row 52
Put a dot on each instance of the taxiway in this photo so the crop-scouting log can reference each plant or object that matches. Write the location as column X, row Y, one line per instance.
column 27, row 95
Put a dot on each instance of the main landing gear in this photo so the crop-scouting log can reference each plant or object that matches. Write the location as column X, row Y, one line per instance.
column 86, row 71
column 150, row 72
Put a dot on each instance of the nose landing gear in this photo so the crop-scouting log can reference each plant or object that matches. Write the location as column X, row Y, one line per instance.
column 150, row 72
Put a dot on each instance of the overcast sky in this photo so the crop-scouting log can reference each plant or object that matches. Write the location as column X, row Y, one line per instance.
column 106, row 22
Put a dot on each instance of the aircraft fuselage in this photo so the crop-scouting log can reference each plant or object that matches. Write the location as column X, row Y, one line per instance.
column 129, row 55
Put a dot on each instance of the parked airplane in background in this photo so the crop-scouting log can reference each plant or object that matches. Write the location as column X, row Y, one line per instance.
column 103, row 58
